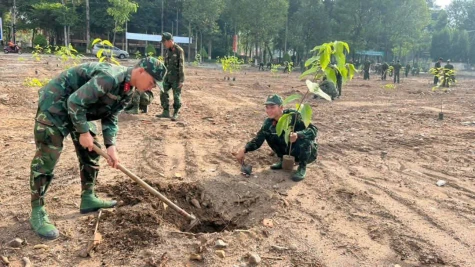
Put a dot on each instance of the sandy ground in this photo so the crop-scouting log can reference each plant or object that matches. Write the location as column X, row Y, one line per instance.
column 371, row 200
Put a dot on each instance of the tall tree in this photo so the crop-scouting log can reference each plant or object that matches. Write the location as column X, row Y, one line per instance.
column 121, row 11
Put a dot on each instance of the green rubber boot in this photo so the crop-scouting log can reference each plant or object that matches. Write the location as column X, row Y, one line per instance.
column 90, row 202
column 276, row 166
column 175, row 115
column 165, row 114
column 134, row 110
column 40, row 223
column 300, row 174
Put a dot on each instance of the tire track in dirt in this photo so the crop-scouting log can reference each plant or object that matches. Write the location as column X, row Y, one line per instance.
column 416, row 220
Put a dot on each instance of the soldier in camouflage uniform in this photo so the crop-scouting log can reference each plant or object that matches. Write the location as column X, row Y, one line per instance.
column 304, row 145
column 174, row 61
column 366, row 68
column 384, row 71
column 437, row 66
column 329, row 88
column 67, row 105
column 397, row 68
column 140, row 102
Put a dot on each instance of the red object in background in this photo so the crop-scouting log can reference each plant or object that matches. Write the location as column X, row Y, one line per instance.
column 235, row 43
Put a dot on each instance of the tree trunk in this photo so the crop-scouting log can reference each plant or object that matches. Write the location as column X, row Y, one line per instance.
column 209, row 48
column 201, row 46
column 196, row 44
column 88, row 28
column 189, row 43
column 115, row 32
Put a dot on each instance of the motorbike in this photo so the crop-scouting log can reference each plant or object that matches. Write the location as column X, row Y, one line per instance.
column 7, row 49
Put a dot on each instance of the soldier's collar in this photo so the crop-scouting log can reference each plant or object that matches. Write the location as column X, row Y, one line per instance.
column 128, row 74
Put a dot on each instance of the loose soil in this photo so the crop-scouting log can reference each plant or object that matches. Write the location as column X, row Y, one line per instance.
column 370, row 200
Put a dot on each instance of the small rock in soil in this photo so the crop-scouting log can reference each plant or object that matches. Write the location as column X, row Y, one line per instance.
column 40, row 246
column 268, row 223
column 196, row 257
column 441, row 183
column 220, row 244
column 196, row 203
column 254, row 258
column 5, row 260
column 15, row 243
column 221, row 254
column 293, row 247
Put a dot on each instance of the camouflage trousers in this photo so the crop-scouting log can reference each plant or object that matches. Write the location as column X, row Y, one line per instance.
column 49, row 145
column 140, row 101
column 164, row 96
column 304, row 151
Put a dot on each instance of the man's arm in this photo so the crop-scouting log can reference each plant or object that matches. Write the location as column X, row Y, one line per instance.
column 110, row 128
column 181, row 66
column 309, row 133
column 257, row 141
column 86, row 95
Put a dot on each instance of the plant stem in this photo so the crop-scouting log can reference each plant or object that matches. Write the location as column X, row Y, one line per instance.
column 296, row 117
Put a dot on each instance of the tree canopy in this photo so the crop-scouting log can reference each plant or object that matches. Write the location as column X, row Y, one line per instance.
column 402, row 29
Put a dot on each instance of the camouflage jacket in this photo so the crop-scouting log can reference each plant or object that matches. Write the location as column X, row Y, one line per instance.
column 268, row 133
column 175, row 61
column 87, row 92
column 397, row 67
column 329, row 88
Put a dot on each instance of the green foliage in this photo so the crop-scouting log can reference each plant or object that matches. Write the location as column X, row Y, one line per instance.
column 230, row 63
column 40, row 40
column 446, row 77
column 150, row 50
column 138, row 55
column 287, row 57
column 319, row 65
column 35, row 82
column 108, row 51
column 303, row 110
column 274, row 69
column 203, row 53
column 68, row 55
column 197, row 60
column 37, row 52
column 121, row 11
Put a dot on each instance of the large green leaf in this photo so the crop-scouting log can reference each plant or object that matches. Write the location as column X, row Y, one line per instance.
column 331, row 74
column 282, row 124
column 287, row 136
column 352, row 70
column 107, row 43
column 311, row 71
column 316, row 48
column 347, row 47
column 319, row 92
column 311, row 60
column 311, row 86
column 291, row 98
column 306, row 114
column 99, row 53
column 344, row 73
column 325, row 56
column 97, row 40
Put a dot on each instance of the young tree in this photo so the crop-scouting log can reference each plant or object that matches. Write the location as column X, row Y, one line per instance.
column 121, row 11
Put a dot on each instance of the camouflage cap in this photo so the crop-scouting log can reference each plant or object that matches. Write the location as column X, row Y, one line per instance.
column 166, row 36
column 274, row 100
column 154, row 67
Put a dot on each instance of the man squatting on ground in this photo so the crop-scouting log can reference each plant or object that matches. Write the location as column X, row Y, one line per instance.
column 304, row 145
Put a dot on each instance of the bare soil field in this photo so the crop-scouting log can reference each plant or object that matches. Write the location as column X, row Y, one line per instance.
column 370, row 200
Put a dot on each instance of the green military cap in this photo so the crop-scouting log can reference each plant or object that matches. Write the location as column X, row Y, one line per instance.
column 154, row 67
column 274, row 100
column 166, row 36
